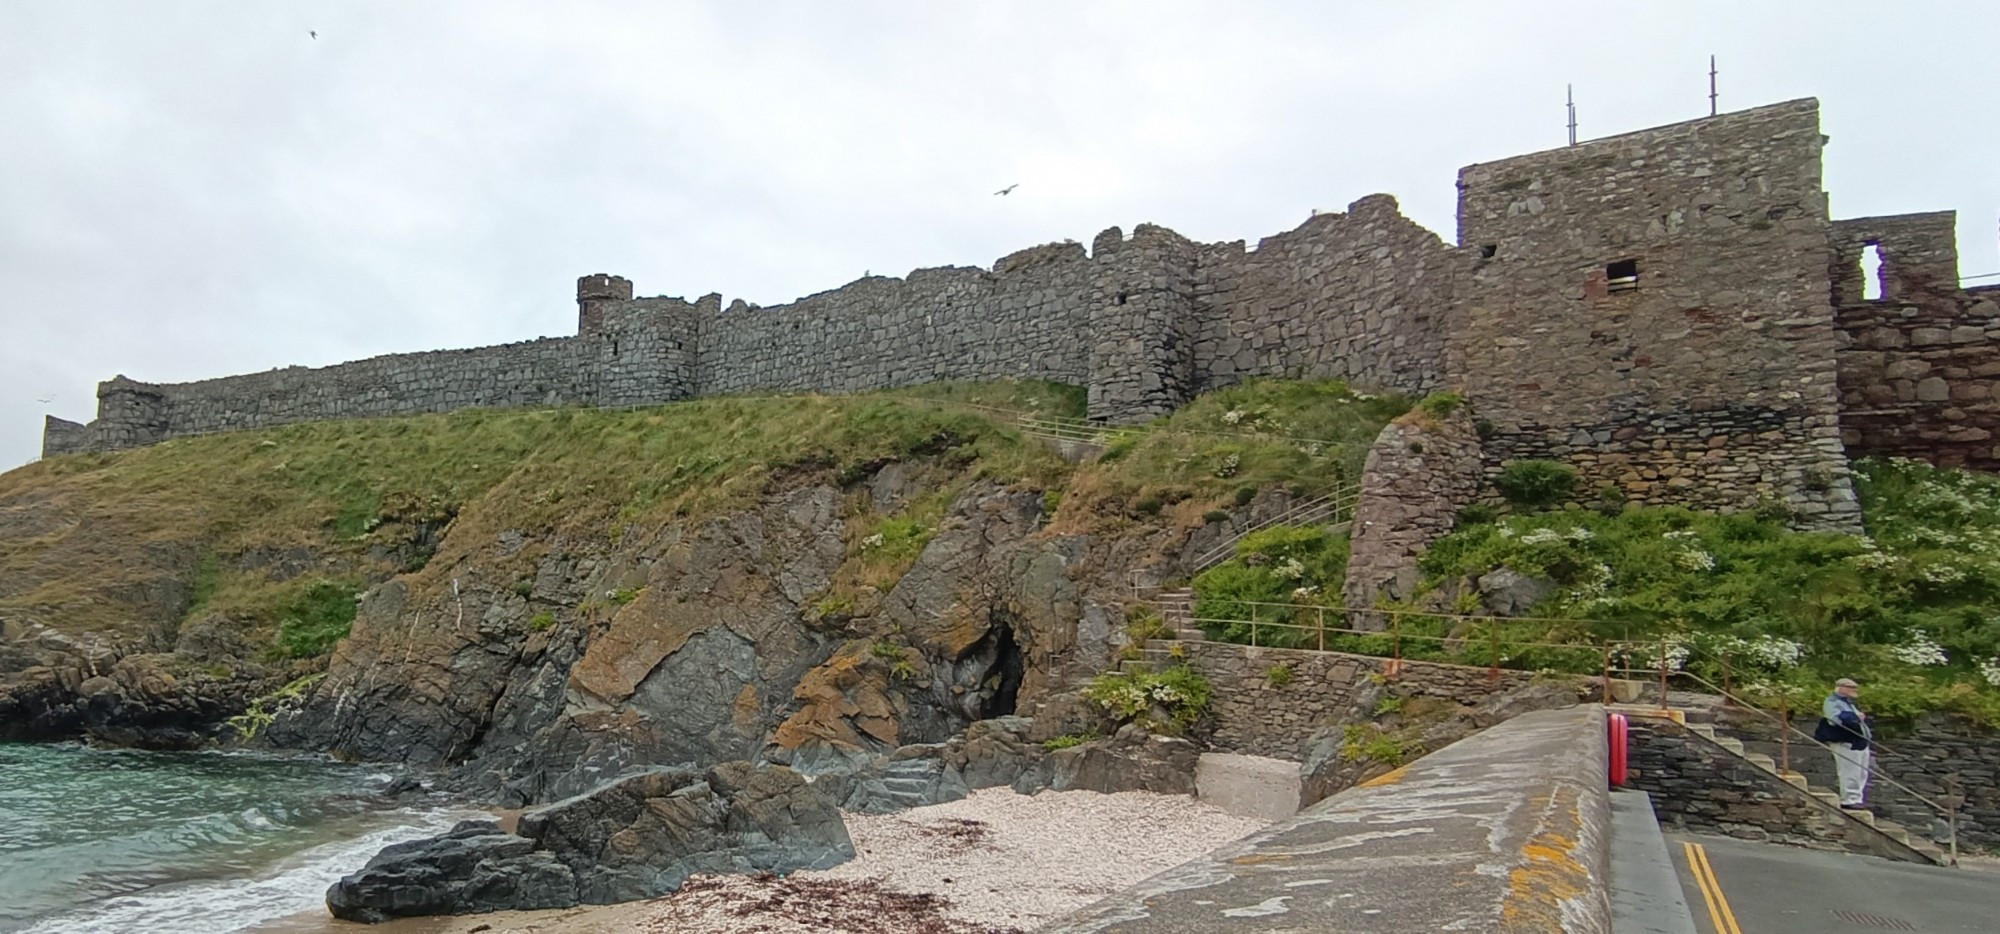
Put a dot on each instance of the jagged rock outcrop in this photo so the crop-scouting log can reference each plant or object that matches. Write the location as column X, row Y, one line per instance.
column 1130, row 760
column 637, row 837
column 55, row 687
column 709, row 642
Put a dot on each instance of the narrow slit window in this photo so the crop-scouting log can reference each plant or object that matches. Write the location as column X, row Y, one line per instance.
column 1871, row 272
column 1622, row 276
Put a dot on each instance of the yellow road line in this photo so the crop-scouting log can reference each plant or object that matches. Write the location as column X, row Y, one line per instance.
column 1711, row 890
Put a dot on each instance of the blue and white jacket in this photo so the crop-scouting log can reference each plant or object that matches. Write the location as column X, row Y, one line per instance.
column 1841, row 722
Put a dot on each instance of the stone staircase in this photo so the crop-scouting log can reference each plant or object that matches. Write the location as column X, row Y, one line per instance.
column 1830, row 800
column 1176, row 608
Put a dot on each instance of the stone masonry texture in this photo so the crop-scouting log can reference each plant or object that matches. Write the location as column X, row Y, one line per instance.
column 1254, row 717
column 1698, row 786
column 1671, row 311
column 1420, row 471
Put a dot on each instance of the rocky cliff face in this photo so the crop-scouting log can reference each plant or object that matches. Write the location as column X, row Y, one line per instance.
column 710, row 641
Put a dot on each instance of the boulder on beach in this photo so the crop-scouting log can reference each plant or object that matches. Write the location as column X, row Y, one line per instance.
column 637, row 837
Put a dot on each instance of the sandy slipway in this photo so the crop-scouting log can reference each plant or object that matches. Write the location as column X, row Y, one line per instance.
column 992, row 862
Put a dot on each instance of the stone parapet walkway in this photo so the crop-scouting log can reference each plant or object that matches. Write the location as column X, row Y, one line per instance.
column 1506, row 831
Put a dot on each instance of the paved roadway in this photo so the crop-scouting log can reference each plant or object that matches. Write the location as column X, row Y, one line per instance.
column 1737, row 887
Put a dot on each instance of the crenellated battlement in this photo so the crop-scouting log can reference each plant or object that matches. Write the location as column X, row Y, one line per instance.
column 1672, row 311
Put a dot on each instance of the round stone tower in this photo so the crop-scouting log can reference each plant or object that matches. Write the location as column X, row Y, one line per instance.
column 594, row 293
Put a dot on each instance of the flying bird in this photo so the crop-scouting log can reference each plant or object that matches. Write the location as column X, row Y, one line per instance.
column 313, row 33
column 1009, row 189
column 45, row 400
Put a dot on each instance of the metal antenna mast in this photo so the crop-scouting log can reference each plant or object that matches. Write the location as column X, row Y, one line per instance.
column 1569, row 93
column 1711, row 85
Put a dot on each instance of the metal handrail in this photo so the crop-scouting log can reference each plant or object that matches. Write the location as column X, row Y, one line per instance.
column 1343, row 495
column 1950, row 813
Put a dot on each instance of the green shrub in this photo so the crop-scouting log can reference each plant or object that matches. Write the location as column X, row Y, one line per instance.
column 1533, row 484
column 1244, row 494
column 1291, row 566
column 1476, row 514
column 525, row 587
column 1180, row 691
column 1143, row 622
column 318, row 619
column 1215, row 515
column 1148, row 506
column 1441, row 404
column 1909, row 612
column 542, row 622
column 1067, row 740
column 622, row 596
column 1278, row 676
column 264, row 710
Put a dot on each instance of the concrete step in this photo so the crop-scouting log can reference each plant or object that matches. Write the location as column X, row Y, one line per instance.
column 1730, row 743
column 1796, row 779
column 1701, row 729
column 1133, row 666
column 1761, row 761
column 1191, row 635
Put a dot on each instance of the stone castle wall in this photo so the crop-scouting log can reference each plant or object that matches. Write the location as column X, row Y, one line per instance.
column 1733, row 365
column 1920, row 372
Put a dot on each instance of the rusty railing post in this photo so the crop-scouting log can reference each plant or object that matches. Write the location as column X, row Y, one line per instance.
column 1607, row 673
column 1253, row 625
column 1493, row 634
column 1395, row 644
column 1784, row 734
column 1951, row 796
column 1663, row 672
column 1322, row 629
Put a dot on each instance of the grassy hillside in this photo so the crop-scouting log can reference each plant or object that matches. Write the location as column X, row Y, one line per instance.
column 273, row 532
column 1912, row 609
column 266, row 526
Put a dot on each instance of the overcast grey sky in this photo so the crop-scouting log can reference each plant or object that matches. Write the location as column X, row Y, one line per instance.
column 195, row 189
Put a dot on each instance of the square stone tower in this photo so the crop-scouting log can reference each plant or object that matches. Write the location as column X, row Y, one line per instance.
column 1655, row 309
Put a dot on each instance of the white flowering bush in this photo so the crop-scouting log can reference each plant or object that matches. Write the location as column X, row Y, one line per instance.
column 1641, row 657
column 1694, row 560
column 1290, row 569
column 1233, row 417
column 873, row 541
column 1919, row 649
column 1990, row 670
column 1773, row 653
column 1179, row 693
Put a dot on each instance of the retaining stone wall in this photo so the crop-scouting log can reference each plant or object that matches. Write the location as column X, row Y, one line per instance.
column 1926, row 753
column 1254, row 717
column 1697, row 786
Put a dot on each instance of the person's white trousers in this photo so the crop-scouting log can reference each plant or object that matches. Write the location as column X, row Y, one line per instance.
column 1852, row 764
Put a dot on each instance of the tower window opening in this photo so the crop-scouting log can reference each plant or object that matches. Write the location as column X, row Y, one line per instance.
column 1622, row 276
column 1871, row 272
column 1487, row 251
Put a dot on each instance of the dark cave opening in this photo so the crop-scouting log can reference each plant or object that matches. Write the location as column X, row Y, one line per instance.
column 1009, row 666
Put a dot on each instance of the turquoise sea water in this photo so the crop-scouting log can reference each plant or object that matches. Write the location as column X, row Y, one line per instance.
column 121, row 840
